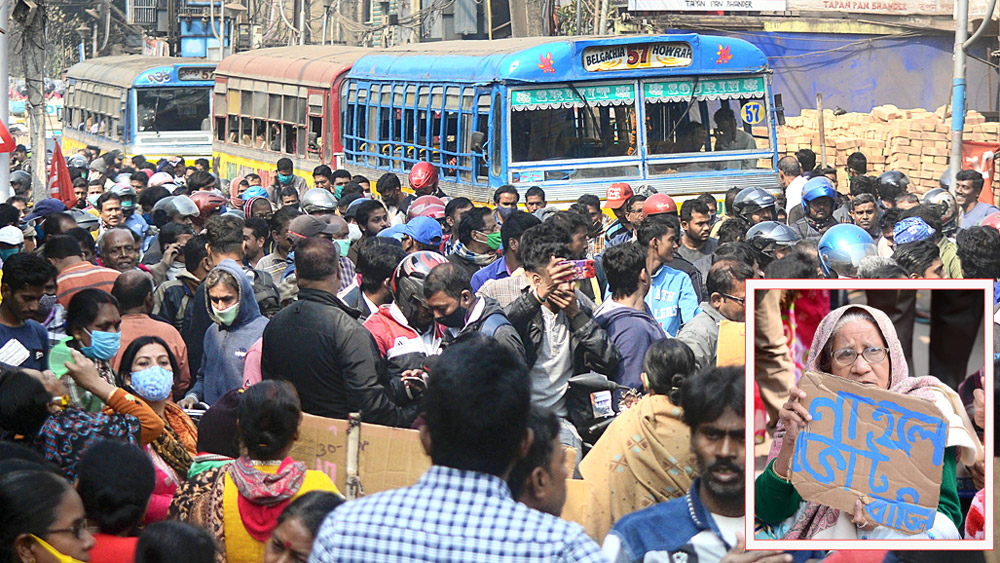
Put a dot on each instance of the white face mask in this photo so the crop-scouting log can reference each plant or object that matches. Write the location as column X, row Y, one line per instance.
column 353, row 231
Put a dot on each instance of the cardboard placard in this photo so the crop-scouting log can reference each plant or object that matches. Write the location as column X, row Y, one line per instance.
column 390, row 458
column 882, row 447
column 322, row 446
column 732, row 347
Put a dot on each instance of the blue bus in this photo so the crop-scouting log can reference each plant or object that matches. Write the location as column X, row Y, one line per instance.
column 156, row 107
column 683, row 114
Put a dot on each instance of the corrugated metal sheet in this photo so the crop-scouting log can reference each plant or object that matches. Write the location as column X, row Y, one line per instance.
column 310, row 65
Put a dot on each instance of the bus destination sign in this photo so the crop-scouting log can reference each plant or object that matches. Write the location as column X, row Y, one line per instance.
column 636, row 56
column 194, row 73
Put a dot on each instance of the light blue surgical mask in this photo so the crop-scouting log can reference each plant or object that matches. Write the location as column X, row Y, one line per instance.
column 103, row 345
column 8, row 252
column 153, row 383
column 343, row 245
column 337, row 190
column 92, row 199
column 285, row 178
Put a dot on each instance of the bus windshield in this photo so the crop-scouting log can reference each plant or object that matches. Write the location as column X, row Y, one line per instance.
column 173, row 109
column 694, row 119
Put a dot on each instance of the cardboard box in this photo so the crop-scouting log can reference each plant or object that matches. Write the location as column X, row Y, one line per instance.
column 881, row 447
column 322, row 446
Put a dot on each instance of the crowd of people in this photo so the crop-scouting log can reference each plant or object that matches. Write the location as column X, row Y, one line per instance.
column 161, row 337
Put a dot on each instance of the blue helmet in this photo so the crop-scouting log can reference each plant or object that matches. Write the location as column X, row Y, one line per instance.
column 815, row 188
column 842, row 248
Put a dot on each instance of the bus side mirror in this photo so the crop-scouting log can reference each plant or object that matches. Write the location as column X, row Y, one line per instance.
column 779, row 110
column 478, row 140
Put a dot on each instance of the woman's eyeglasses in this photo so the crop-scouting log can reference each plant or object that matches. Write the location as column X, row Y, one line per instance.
column 848, row 356
column 79, row 527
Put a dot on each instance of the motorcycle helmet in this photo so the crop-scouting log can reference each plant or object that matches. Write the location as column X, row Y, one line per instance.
column 407, row 283
column 892, row 182
column 943, row 202
column 423, row 175
column 817, row 188
column 751, row 200
column 20, row 181
column 767, row 236
column 208, row 204
column 160, row 178
column 426, row 206
column 991, row 220
column 842, row 248
column 84, row 220
column 657, row 204
column 318, row 201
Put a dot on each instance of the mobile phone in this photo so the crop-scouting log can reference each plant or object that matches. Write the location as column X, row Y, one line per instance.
column 583, row 269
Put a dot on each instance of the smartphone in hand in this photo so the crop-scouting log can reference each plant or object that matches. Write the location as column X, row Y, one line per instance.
column 583, row 269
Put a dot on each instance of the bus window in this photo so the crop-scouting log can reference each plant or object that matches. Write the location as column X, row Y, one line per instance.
column 246, row 132
column 220, row 129
column 259, row 134
column 572, row 133
column 290, row 139
column 274, row 107
column 234, row 129
column 172, row 109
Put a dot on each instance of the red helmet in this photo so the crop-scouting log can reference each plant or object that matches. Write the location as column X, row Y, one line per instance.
column 423, row 175
column 657, row 204
column 426, row 206
column 209, row 203
column 991, row 220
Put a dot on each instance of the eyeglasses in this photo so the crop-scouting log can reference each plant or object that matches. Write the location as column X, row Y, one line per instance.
column 77, row 530
column 740, row 300
column 847, row 356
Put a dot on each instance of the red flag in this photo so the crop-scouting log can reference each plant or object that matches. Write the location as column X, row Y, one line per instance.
column 980, row 157
column 60, row 184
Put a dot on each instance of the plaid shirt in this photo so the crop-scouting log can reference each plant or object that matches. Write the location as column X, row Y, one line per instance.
column 449, row 515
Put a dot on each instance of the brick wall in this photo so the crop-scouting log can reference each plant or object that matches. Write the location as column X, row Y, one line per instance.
column 916, row 142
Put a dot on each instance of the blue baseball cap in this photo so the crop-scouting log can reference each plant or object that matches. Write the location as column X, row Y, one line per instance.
column 395, row 231
column 254, row 191
column 425, row 230
column 911, row 229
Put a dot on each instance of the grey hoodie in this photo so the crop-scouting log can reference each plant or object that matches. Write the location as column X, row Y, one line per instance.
column 701, row 334
column 226, row 346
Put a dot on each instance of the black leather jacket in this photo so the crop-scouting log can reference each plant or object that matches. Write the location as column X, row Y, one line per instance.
column 592, row 348
column 318, row 345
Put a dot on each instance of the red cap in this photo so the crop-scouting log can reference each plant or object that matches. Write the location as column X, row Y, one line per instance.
column 618, row 194
column 657, row 204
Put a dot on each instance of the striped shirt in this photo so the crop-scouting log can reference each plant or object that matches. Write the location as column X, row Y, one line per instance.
column 83, row 275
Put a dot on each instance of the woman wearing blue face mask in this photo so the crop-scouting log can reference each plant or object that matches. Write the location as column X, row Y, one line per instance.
column 93, row 327
column 147, row 371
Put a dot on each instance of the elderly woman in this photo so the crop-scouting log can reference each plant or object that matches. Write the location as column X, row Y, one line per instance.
column 858, row 343
column 239, row 503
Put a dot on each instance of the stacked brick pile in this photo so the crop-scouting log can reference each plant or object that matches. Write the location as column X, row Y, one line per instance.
column 916, row 142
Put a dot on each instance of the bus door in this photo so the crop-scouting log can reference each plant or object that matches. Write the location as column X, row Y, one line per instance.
column 481, row 135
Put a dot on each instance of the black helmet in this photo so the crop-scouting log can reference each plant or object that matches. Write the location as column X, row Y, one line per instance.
column 23, row 181
column 892, row 183
column 407, row 283
column 765, row 237
column 752, row 200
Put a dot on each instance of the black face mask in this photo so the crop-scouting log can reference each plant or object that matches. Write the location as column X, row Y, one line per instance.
column 455, row 319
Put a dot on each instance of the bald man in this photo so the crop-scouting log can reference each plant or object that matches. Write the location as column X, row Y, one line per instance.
column 134, row 291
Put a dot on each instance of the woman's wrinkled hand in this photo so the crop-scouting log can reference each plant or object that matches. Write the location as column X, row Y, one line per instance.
column 794, row 414
column 860, row 519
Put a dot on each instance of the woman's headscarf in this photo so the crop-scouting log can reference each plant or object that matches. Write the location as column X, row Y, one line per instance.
column 817, row 517
column 248, row 205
